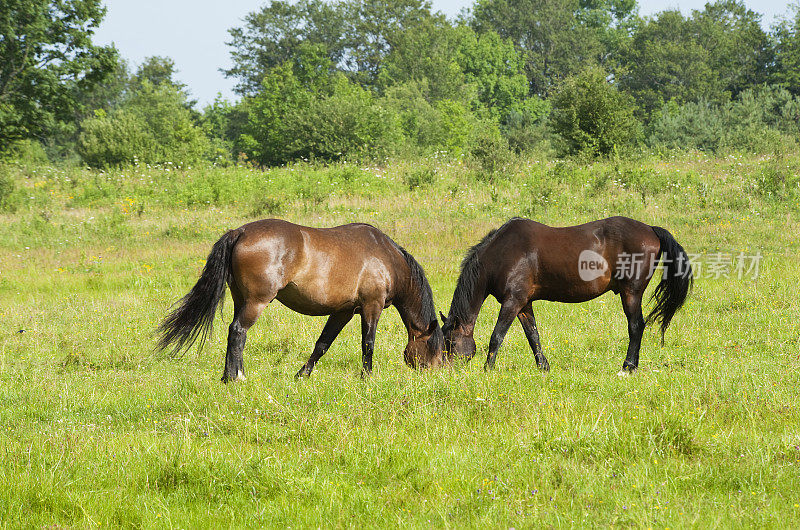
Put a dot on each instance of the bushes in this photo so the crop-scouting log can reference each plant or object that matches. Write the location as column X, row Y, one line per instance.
column 304, row 111
column 154, row 126
column 115, row 140
column 290, row 122
column 761, row 120
column 591, row 116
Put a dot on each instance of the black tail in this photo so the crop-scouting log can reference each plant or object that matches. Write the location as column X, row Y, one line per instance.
column 193, row 315
column 676, row 281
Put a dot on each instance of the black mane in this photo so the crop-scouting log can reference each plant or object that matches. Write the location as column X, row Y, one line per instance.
column 470, row 273
column 427, row 308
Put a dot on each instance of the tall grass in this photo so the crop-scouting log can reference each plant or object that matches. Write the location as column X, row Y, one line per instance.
column 97, row 429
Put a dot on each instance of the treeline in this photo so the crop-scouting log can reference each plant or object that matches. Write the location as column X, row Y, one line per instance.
column 367, row 78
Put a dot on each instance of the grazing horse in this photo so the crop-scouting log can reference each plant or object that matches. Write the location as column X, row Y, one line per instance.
column 523, row 261
column 338, row 271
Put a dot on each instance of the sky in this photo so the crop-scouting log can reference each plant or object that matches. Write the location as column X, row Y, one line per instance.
column 194, row 32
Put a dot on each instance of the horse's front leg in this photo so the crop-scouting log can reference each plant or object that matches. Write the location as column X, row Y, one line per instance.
column 528, row 322
column 508, row 312
column 370, row 313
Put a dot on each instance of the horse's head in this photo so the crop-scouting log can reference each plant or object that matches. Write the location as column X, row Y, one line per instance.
column 458, row 341
column 425, row 350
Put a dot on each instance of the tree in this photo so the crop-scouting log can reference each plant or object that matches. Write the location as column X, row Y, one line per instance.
column 592, row 116
column 498, row 71
column 153, row 126
column 739, row 49
column 553, row 39
column 157, row 71
column 373, row 26
column 665, row 62
column 225, row 122
column 485, row 72
column 304, row 110
column 712, row 56
column 612, row 21
column 46, row 60
column 786, row 36
column 355, row 34
column 274, row 35
column 427, row 55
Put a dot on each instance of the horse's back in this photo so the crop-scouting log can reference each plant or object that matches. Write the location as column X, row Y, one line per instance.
column 314, row 270
column 570, row 264
column 623, row 232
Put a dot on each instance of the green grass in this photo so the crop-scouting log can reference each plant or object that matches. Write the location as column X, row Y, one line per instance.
column 97, row 429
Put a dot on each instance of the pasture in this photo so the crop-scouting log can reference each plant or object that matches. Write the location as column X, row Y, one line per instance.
column 97, row 429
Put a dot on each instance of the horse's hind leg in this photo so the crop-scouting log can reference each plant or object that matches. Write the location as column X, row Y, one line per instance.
column 336, row 322
column 245, row 315
column 632, row 305
column 528, row 322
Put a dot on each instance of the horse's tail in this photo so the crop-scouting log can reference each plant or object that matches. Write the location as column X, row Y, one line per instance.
column 193, row 315
column 676, row 281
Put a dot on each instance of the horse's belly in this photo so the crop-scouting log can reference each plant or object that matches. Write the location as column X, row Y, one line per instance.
column 570, row 291
column 312, row 301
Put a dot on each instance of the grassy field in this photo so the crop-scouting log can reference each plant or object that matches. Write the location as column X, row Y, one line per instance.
column 98, row 430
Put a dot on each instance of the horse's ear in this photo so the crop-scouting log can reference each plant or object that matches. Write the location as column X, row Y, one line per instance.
column 444, row 318
column 432, row 327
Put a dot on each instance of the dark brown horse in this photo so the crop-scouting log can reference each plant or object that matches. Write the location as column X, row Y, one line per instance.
column 523, row 261
column 338, row 271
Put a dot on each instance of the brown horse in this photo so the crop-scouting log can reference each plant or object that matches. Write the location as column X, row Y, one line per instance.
column 338, row 271
column 524, row 261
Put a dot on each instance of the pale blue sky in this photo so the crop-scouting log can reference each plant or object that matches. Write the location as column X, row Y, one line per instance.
column 194, row 32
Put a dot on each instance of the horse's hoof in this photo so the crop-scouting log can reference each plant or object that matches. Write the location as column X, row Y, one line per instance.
column 623, row 373
column 544, row 366
column 304, row 372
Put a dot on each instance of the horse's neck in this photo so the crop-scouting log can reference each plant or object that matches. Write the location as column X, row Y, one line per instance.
column 470, row 298
column 411, row 313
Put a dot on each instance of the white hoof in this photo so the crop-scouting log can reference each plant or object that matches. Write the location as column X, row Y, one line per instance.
column 623, row 373
column 240, row 377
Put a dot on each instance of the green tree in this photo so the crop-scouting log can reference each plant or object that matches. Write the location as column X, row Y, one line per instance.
column 275, row 34
column 786, row 36
column 715, row 54
column 46, row 60
column 373, row 27
column 225, row 122
column 304, row 110
column 739, row 50
column 612, row 21
column 483, row 71
column 153, row 126
column 427, row 55
column 554, row 40
column 157, row 71
column 497, row 69
column 665, row 61
column 592, row 116
column 355, row 34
